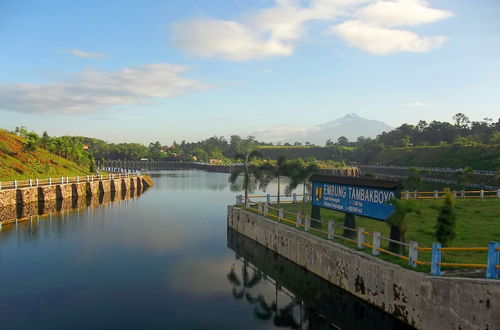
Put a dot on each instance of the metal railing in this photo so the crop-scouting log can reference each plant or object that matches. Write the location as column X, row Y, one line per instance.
column 462, row 194
column 16, row 184
column 361, row 239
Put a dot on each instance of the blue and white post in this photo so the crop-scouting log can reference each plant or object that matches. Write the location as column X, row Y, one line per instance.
column 436, row 259
column 493, row 260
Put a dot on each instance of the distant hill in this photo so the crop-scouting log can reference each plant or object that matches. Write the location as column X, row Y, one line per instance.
column 351, row 126
column 16, row 163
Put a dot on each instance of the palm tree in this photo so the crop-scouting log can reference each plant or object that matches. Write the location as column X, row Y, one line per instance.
column 270, row 171
column 248, row 170
column 240, row 287
column 399, row 222
column 300, row 172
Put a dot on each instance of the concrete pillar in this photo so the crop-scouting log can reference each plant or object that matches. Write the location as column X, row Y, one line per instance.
column 361, row 237
column 331, row 230
column 436, row 259
column 376, row 243
column 298, row 220
column 307, row 222
column 413, row 253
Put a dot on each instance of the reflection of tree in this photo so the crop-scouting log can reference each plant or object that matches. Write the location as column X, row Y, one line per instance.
column 282, row 317
column 240, row 287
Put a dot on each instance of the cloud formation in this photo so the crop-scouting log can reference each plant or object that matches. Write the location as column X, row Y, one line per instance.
column 276, row 31
column 84, row 54
column 417, row 104
column 93, row 90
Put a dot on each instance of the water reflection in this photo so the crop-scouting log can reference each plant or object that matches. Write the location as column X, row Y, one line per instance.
column 14, row 214
column 294, row 298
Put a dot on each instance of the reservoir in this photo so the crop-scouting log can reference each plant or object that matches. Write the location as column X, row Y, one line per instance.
column 163, row 260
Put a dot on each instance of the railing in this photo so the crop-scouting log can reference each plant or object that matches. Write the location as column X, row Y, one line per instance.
column 431, row 169
column 16, row 184
column 462, row 194
column 361, row 239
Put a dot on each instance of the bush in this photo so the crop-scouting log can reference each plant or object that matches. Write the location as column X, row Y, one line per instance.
column 445, row 225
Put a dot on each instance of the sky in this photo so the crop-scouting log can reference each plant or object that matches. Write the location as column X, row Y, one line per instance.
column 142, row 71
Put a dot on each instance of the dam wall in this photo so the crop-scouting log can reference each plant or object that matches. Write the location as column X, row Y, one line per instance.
column 68, row 190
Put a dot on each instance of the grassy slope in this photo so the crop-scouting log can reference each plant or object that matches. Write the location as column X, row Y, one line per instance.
column 477, row 224
column 15, row 164
column 482, row 157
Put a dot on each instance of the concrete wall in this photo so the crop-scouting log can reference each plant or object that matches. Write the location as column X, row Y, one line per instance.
column 57, row 191
column 423, row 301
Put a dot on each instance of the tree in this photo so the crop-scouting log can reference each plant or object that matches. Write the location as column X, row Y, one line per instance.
column 445, row 222
column 465, row 176
column 343, row 141
column 300, row 172
column 414, row 180
column 271, row 171
column 248, row 153
column 399, row 221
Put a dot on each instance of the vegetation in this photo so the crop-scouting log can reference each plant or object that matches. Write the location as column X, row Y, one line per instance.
column 476, row 225
column 445, row 224
column 22, row 156
column 398, row 221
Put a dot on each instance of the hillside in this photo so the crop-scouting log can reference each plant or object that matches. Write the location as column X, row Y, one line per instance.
column 478, row 157
column 15, row 163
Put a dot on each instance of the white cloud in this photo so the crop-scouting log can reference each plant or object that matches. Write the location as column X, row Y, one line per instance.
column 277, row 30
column 418, row 104
column 383, row 41
column 400, row 13
column 282, row 133
column 84, row 54
column 93, row 90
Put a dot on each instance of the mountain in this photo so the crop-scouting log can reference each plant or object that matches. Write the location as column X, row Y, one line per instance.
column 351, row 126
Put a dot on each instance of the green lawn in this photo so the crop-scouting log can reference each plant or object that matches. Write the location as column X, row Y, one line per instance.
column 478, row 222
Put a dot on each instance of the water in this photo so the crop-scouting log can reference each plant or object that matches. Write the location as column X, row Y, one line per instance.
column 162, row 260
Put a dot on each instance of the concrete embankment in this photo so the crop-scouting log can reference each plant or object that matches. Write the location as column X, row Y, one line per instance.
column 61, row 191
column 420, row 300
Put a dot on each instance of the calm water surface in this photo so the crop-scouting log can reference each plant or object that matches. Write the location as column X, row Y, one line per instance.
column 162, row 261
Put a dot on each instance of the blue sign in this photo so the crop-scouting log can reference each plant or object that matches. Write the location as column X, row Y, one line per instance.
column 358, row 200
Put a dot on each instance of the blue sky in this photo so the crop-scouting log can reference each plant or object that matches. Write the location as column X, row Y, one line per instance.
column 171, row 70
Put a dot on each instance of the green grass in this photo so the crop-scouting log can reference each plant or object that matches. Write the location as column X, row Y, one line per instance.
column 478, row 223
column 16, row 164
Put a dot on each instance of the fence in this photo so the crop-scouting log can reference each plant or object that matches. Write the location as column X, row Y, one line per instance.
column 462, row 194
column 379, row 245
column 15, row 184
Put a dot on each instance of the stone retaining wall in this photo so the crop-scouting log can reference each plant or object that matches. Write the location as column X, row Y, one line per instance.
column 62, row 191
column 423, row 301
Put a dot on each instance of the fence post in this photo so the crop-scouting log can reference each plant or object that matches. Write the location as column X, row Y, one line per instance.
column 268, row 199
column 238, row 199
column 331, row 230
column 247, row 203
column 481, row 194
column 280, row 214
column 498, row 193
column 298, row 220
column 294, row 197
column 436, row 194
column 493, row 260
column 454, row 194
column 15, row 184
column 259, row 208
column 416, row 194
column 376, row 243
column 307, row 222
column 50, row 181
column 77, row 179
column 36, row 182
column 413, row 253
column 462, row 194
column 31, row 183
column 436, row 259
column 407, row 193
column 0, row 185
column 361, row 237
column 67, row 180
column 266, row 209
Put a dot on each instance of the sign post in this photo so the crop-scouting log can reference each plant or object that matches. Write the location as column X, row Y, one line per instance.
column 353, row 196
